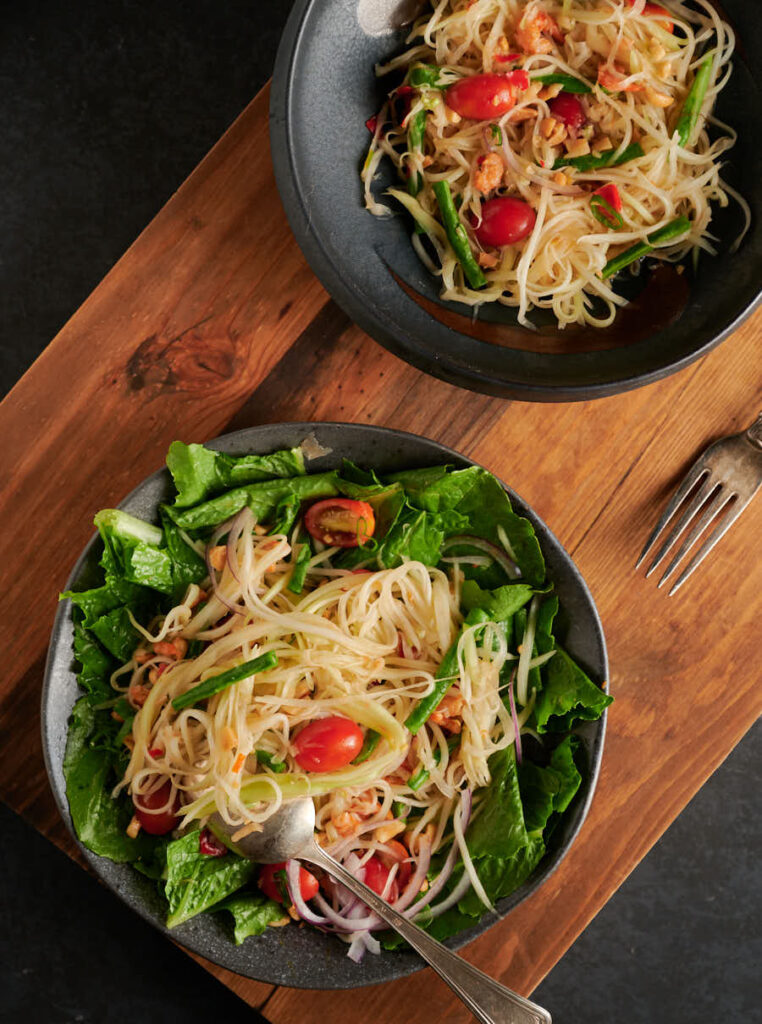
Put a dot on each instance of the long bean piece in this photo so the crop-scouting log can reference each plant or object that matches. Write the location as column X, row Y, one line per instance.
column 589, row 162
column 674, row 229
column 445, row 676
column 686, row 122
column 456, row 233
column 221, row 682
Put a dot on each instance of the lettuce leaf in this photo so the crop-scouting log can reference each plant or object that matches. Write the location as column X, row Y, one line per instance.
column 199, row 473
column 99, row 820
column 500, row 604
column 196, row 882
column 568, row 696
column 548, row 791
column 480, row 499
column 187, row 565
column 419, row 535
column 262, row 498
column 252, row 913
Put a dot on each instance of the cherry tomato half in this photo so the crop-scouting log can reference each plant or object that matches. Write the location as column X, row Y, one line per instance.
column 376, row 875
column 163, row 822
column 328, row 744
column 393, row 852
column 485, row 97
column 650, row 10
column 209, row 845
column 270, row 885
column 340, row 522
column 567, row 108
column 504, row 221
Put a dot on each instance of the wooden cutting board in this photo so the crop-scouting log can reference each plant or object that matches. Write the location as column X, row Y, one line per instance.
column 212, row 321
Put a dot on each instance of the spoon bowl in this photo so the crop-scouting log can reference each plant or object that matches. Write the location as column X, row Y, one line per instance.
column 284, row 834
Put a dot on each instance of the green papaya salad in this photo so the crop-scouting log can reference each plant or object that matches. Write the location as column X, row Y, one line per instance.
column 383, row 643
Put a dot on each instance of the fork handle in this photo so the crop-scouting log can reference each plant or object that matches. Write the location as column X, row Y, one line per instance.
column 754, row 432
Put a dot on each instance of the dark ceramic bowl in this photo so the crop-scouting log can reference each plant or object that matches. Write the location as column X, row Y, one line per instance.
column 304, row 957
column 324, row 89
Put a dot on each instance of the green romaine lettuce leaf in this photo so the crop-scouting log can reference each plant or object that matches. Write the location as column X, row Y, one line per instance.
column 549, row 790
column 99, row 820
column 419, row 536
column 187, row 565
column 568, row 696
column 199, row 473
column 252, row 913
column 196, row 882
column 117, row 633
column 499, row 604
column 262, row 498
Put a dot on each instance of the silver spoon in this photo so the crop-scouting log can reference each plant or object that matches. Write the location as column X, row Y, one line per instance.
column 290, row 835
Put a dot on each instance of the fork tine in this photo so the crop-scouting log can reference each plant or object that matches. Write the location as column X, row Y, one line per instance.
column 720, row 530
column 690, row 480
column 683, row 521
column 712, row 510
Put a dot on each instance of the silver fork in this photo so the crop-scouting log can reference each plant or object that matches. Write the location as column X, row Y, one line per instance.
column 727, row 476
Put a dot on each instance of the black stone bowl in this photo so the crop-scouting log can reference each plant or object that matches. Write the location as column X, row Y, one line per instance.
column 304, row 957
column 324, row 89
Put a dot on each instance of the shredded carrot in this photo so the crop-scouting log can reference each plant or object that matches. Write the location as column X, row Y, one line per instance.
column 239, row 763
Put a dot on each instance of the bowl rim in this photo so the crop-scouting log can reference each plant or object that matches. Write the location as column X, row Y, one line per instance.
column 400, row 963
column 283, row 143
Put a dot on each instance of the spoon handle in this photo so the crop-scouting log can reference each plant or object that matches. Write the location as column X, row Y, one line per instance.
column 490, row 1002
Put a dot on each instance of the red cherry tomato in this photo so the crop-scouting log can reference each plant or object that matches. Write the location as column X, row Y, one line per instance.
column 340, row 522
column 270, row 885
column 393, row 852
column 650, row 10
column 209, row 845
column 328, row 744
column 504, row 221
column 485, row 97
column 165, row 821
column 567, row 108
column 376, row 875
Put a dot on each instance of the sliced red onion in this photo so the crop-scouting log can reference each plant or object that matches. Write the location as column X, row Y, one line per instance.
column 489, row 548
column 514, row 717
column 362, row 943
column 293, row 884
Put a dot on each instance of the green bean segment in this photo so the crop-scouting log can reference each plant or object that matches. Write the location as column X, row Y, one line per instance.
column 457, row 236
column 674, row 229
column 217, row 684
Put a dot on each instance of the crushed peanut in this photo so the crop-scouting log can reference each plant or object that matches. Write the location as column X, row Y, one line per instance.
column 488, row 260
column 550, row 91
column 134, row 827
column 658, row 99
column 386, row 832
column 559, row 178
column 577, row 147
column 218, row 557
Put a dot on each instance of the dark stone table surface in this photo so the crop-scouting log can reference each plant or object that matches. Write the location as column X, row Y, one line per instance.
column 106, row 108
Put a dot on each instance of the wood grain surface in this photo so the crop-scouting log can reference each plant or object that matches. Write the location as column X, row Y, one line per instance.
column 212, row 321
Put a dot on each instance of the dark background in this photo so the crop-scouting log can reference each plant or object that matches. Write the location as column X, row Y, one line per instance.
column 105, row 109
